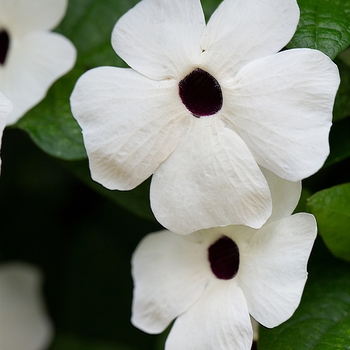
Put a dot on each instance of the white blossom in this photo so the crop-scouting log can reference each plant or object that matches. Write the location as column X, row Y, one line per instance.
column 204, row 107
column 24, row 322
column 31, row 57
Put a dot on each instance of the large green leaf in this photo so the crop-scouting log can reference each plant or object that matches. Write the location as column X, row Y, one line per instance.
column 322, row 321
column 88, row 24
column 331, row 208
column 324, row 25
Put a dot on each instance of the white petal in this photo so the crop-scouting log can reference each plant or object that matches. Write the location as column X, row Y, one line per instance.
column 285, row 195
column 5, row 110
column 282, row 107
column 130, row 124
column 241, row 31
column 32, row 65
column 160, row 38
column 170, row 274
column 218, row 320
column 24, row 324
column 210, row 180
column 272, row 271
column 20, row 16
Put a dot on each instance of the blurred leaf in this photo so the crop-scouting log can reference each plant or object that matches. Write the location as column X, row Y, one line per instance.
column 345, row 56
column 323, row 25
column 339, row 140
column 322, row 321
column 136, row 200
column 342, row 100
column 70, row 342
column 331, row 208
column 88, row 24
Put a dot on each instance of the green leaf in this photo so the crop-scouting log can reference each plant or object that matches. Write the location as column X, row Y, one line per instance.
column 323, row 25
column 322, row 321
column 331, row 208
column 88, row 24
column 342, row 99
column 339, row 142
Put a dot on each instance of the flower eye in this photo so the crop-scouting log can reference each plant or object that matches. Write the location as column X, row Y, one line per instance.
column 4, row 45
column 223, row 256
column 201, row 93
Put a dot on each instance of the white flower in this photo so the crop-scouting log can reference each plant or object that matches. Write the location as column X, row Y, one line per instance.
column 203, row 106
column 210, row 281
column 24, row 323
column 5, row 110
column 31, row 57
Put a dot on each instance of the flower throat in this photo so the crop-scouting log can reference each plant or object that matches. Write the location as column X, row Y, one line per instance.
column 223, row 257
column 201, row 93
column 4, row 45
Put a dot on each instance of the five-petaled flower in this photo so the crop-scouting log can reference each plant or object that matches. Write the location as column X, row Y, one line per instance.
column 210, row 281
column 24, row 322
column 31, row 57
column 204, row 107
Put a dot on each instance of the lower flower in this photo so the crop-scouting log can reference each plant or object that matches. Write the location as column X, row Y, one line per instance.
column 212, row 281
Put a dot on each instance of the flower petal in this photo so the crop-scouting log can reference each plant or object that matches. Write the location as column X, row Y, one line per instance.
column 241, row 31
column 282, row 108
column 21, row 16
column 130, row 124
column 160, row 38
column 218, row 320
column 5, row 110
column 272, row 271
column 210, row 180
column 33, row 65
column 170, row 274
column 285, row 195
column 24, row 323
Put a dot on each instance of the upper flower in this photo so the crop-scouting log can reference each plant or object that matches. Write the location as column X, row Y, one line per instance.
column 210, row 281
column 24, row 323
column 203, row 106
column 31, row 57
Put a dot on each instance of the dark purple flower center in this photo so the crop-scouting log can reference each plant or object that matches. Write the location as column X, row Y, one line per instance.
column 201, row 93
column 4, row 45
column 223, row 256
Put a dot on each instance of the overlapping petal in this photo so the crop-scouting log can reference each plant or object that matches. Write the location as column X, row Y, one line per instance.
column 21, row 16
column 24, row 323
column 130, row 124
column 210, row 180
column 272, row 271
column 218, row 320
column 170, row 274
column 34, row 62
column 282, row 108
column 241, row 31
column 285, row 195
column 160, row 38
